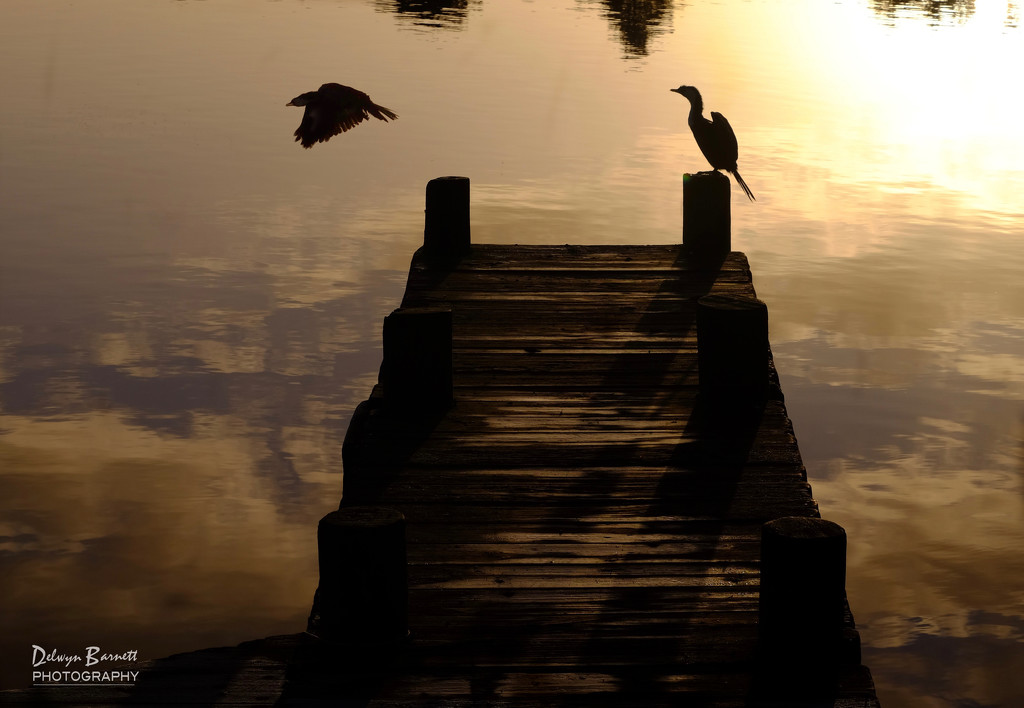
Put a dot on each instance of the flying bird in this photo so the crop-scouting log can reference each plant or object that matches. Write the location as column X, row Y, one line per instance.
column 333, row 109
column 714, row 137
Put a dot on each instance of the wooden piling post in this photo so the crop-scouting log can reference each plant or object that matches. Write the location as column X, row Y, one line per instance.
column 732, row 348
column 446, row 234
column 416, row 374
column 707, row 228
column 803, row 592
column 363, row 593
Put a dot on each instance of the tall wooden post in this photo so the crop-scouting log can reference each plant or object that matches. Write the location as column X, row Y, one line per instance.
column 732, row 348
column 446, row 234
column 363, row 593
column 803, row 595
column 707, row 228
column 416, row 374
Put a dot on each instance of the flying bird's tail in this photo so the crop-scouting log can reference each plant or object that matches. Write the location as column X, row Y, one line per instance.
column 381, row 112
column 746, row 189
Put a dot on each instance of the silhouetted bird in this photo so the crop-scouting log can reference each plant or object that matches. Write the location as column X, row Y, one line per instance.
column 333, row 109
column 714, row 137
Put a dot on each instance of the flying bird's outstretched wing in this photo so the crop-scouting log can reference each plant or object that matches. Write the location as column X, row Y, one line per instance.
column 333, row 109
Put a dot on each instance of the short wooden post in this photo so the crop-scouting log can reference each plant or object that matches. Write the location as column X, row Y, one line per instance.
column 446, row 235
column 417, row 369
column 707, row 228
column 363, row 593
column 803, row 591
column 732, row 348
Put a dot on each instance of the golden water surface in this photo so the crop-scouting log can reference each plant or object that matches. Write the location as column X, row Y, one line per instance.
column 190, row 303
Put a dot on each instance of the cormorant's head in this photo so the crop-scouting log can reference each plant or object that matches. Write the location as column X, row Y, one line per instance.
column 303, row 99
column 689, row 92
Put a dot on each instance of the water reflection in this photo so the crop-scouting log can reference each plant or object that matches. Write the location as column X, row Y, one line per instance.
column 226, row 350
column 214, row 438
column 909, row 416
column 186, row 408
column 637, row 22
column 937, row 12
column 432, row 14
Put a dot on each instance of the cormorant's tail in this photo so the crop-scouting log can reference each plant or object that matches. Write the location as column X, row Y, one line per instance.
column 746, row 189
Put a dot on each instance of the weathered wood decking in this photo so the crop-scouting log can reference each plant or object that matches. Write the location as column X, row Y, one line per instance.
column 580, row 530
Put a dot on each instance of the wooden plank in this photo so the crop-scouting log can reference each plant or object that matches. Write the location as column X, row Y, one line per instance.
column 637, row 290
column 587, row 257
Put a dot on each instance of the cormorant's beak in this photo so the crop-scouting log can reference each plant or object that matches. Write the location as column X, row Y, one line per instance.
column 675, row 90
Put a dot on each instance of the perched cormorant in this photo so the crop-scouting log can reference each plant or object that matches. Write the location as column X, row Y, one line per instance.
column 333, row 109
column 714, row 137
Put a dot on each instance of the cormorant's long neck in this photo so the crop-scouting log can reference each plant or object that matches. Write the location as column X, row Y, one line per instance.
column 696, row 109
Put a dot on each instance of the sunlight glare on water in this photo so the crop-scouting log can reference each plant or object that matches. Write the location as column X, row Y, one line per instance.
column 191, row 304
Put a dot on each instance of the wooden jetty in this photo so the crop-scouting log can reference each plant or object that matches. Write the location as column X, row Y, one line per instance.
column 582, row 504
column 554, row 497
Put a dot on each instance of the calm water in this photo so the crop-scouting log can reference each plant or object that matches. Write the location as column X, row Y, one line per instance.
column 191, row 304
